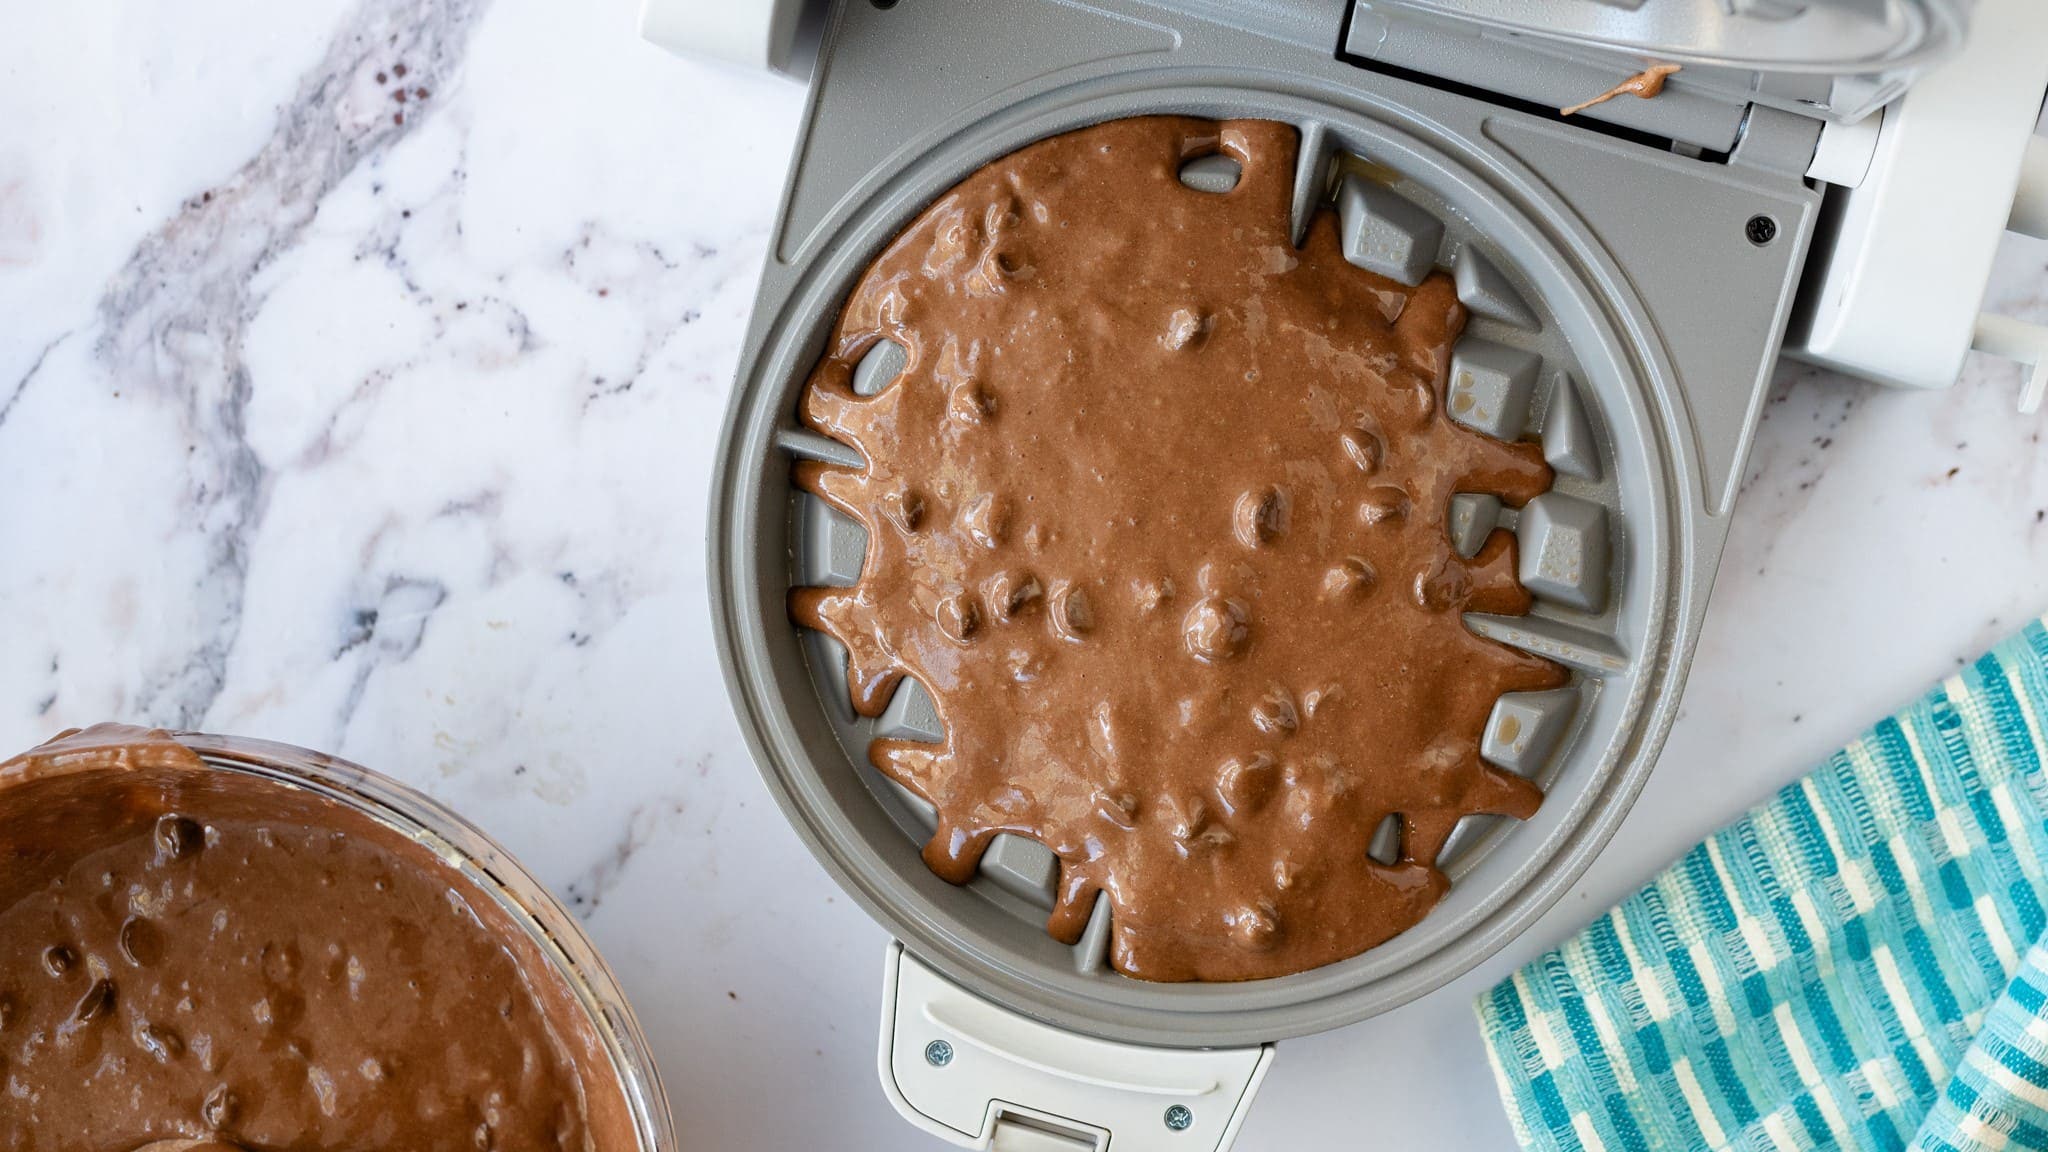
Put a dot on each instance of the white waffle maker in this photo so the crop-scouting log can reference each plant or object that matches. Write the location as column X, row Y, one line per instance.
column 1828, row 179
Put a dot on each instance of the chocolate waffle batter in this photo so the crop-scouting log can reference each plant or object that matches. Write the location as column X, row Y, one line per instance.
column 198, row 953
column 1156, row 511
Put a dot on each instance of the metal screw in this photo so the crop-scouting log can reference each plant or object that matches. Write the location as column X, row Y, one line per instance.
column 1761, row 230
column 1179, row 1118
column 938, row 1053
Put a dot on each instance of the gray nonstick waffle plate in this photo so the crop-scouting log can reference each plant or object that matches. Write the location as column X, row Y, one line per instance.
column 1608, row 554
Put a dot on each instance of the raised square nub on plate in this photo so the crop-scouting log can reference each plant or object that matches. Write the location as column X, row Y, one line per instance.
column 1525, row 728
column 1491, row 387
column 834, row 547
column 1474, row 516
column 1568, row 433
column 1215, row 173
column 1386, row 841
column 1091, row 953
column 1483, row 289
column 1385, row 233
column 1564, row 551
column 1021, row 867
column 846, row 547
column 911, row 715
column 879, row 367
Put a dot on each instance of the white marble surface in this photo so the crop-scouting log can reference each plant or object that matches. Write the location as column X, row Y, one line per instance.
column 392, row 439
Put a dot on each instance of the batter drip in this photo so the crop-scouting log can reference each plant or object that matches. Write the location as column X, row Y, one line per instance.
column 1156, row 512
column 1647, row 84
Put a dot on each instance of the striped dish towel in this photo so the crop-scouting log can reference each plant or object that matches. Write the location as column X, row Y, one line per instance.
column 1851, row 965
column 1998, row 1098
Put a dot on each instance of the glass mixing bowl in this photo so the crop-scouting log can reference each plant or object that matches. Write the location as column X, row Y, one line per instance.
column 552, row 931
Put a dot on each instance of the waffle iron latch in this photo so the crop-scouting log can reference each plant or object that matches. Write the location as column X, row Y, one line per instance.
column 981, row 1076
column 1928, row 150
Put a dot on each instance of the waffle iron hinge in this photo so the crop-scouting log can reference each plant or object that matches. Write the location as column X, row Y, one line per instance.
column 1927, row 148
column 1540, row 76
column 1838, row 60
column 1919, row 201
column 981, row 1076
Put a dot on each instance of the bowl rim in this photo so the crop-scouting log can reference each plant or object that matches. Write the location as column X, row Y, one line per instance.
column 490, row 869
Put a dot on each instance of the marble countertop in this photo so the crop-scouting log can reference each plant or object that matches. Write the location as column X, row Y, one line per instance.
column 361, row 365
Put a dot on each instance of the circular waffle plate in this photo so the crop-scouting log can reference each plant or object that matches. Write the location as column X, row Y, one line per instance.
column 1538, row 332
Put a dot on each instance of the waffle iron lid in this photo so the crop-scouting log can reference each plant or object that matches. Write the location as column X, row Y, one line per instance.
column 1838, row 59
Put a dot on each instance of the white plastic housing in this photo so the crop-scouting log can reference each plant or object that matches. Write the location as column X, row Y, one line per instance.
column 1897, row 289
column 749, row 33
column 1012, row 1084
column 1843, row 154
column 2021, row 341
column 2030, row 202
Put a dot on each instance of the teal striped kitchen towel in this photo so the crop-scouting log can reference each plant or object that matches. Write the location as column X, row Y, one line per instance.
column 1998, row 1096
column 1852, row 965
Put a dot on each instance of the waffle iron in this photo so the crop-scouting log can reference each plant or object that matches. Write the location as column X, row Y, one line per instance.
column 1824, row 178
